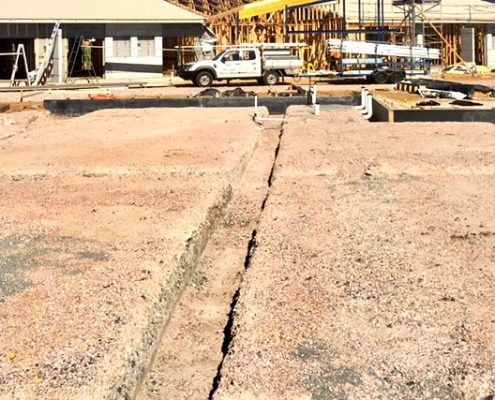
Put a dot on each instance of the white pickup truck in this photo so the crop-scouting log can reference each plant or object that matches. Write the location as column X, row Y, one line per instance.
column 266, row 62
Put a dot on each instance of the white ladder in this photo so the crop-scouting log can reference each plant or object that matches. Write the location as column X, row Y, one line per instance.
column 47, row 56
column 21, row 52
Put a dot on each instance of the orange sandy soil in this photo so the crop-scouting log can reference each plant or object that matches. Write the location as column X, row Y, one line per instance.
column 374, row 271
column 94, row 214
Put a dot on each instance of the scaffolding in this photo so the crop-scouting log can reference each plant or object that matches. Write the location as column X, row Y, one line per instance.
column 423, row 31
column 413, row 22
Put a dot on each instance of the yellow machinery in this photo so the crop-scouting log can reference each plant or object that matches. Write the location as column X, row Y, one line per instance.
column 268, row 6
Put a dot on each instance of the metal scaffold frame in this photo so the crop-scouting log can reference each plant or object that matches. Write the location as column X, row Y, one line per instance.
column 411, row 14
column 416, row 19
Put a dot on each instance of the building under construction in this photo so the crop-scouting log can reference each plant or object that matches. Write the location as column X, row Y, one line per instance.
column 462, row 30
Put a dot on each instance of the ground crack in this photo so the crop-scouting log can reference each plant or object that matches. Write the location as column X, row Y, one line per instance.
column 252, row 244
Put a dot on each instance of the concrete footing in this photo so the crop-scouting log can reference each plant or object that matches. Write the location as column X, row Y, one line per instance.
column 275, row 105
column 384, row 113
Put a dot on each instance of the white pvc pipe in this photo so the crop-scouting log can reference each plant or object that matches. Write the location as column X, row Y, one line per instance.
column 369, row 107
column 255, row 107
column 313, row 95
column 364, row 93
column 364, row 109
column 317, row 110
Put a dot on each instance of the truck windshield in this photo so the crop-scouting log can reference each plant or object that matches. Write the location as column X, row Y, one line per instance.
column 217, row 57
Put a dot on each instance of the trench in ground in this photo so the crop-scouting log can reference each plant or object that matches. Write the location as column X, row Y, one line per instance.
column 228, row 330
column 138, row 363
column 190, row 356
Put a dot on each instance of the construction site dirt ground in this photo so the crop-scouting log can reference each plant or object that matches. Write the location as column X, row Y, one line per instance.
column 373, row 272
column 102, row 218
column 196, row 254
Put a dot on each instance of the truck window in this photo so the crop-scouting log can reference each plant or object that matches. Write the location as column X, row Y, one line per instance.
column 248, row 55
column 231, row 56
column 218, row 56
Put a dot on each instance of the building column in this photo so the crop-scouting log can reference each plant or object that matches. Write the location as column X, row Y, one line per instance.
column 58, row 73
column 108, row 47
column 134, row 46
column 490, row 46
column 159, row 46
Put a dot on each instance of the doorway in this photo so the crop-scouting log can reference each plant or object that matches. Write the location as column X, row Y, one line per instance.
column 76, row 62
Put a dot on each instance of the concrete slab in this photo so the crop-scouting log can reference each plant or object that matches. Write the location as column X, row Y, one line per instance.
column 373, row 274
column 102, row 219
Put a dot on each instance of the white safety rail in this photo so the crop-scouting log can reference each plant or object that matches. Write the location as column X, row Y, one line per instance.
column 382, row 49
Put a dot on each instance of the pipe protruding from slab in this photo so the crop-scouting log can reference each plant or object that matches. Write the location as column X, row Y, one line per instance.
column 367, row 112
column 364, row 93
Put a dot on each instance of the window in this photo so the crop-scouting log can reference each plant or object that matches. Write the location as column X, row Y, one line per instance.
column 121, row 46
column 248, row 55
column 146, row 46
column 231, row 56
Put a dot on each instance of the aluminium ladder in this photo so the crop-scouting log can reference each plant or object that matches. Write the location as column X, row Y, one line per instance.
column 47, row 57
column 21, row 52
column 73, row 56
column 75, row 51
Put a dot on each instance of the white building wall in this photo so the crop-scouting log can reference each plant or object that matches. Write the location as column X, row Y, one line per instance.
column 132, row 65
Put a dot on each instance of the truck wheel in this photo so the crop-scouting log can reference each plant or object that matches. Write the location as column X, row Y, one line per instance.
column 396, row 77
column 270, row 78
column 380, row 77
column 204, row 79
